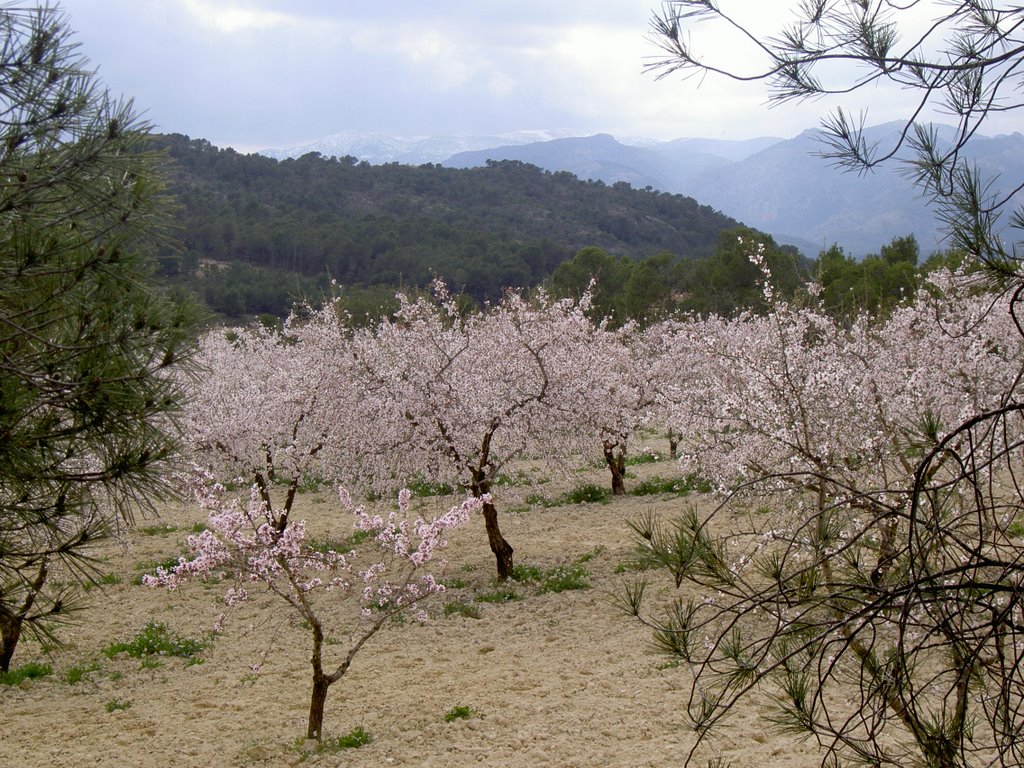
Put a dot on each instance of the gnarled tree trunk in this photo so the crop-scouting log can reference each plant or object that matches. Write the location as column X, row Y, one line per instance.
column 615, row 458
column 502, row 549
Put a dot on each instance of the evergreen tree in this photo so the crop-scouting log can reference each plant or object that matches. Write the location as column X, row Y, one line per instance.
column 90, row 353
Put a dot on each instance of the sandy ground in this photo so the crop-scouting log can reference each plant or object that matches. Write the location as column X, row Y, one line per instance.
column 557, row 679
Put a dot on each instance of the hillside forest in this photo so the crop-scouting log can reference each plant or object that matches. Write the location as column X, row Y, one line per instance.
column 255, row 235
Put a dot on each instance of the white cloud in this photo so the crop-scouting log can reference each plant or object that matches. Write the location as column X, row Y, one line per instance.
column 228, row 18
column 266, row 72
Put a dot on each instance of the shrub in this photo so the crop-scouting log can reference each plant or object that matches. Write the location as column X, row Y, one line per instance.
column 156, row 639
column 459, row 712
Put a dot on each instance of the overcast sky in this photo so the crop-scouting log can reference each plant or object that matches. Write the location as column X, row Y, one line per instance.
column 254, row 74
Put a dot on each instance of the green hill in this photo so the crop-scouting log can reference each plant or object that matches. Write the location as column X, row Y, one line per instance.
column 257, row 232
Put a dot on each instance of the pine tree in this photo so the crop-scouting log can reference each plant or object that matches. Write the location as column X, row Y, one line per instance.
column 91, row 354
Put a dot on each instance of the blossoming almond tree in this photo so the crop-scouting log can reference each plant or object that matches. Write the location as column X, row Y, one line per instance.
column 274, row 406
column 249, row 545
column 874, row 573
column 618, row 398
column 457, row 397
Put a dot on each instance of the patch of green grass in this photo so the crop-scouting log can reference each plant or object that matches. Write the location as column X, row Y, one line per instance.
column 586, row 557
column 588, row 493
column 339, row 545
column 460, row 608
column 1016, row 528
column 106, row 580
column 456, row 583
column 519, row 477
column 540, row 500
column 638, row 563
column 198, row 528
column 459, row 712
column 158, row 530
column 30, row 671
column 307, row 483
column 354, row 739
column 156, row 639
column 80, row 672
column 422, row 488
column 357, row 737
column 311, row 484
column 151, row 662
column 523, row 572
column 563, row 578
column 644, row 457
column 656, row 485
column 499, row 595
column 117, row 705
column 681, row 486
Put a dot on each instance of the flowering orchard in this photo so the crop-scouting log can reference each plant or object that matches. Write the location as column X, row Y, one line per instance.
column 879, row 545
column 456, row 398
column 274, row 407
column 885, row 556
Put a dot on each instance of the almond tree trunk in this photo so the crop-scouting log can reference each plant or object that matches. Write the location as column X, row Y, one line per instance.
column 502, row 549
column 615, row 458
column 317, row 701
column 321, row 681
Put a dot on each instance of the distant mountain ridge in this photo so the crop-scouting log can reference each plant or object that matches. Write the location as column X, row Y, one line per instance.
column 781, row 186
column 377, row 149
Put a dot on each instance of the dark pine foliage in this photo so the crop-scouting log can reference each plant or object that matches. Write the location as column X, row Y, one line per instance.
column 295, row 224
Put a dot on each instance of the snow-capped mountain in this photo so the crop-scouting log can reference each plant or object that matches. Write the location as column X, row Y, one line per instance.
column 376, row 148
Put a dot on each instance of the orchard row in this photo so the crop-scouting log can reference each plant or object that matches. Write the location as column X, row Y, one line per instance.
column 873, row 448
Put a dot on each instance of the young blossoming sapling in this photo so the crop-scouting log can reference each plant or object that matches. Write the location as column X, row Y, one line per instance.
column 245, row 542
